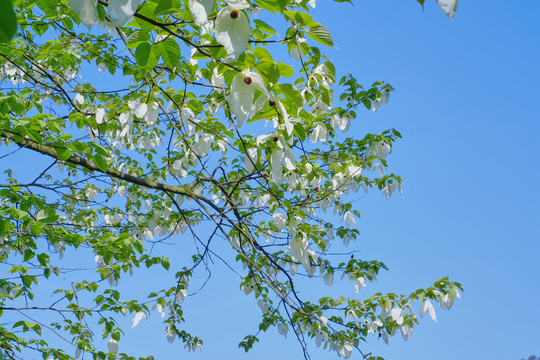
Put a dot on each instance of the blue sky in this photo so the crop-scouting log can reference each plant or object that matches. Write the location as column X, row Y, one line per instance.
column 467, row 103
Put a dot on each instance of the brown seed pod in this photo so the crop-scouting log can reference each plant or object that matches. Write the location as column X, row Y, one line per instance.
column 275, row 138
column 247, row 80
column 272, row 103
column 234, row 14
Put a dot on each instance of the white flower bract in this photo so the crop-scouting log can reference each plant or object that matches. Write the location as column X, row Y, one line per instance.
column 449, row 7
column 112, row 346
column 86, row 10
column 427, row 306
column 123, row 10
column 242, row 94
column 200, row 9
column 232, row 33
column 138, row 317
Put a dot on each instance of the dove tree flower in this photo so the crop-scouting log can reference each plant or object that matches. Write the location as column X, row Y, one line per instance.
column 151, row 122
column 123, row 10
column 86, row 10
column 200, row 9
column 233, row 28
column 112, row 346
column 242, row 95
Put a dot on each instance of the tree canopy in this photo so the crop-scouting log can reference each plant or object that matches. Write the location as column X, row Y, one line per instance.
column 219, row 124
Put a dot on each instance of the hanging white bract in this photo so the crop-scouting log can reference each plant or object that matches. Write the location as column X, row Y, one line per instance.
column 233, row 29
column 449, row 7
column 242, row 94
column 123, row 10
column 200, row 9
column 86, row 10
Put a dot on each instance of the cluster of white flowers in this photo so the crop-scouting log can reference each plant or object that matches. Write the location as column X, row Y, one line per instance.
column 13, row 73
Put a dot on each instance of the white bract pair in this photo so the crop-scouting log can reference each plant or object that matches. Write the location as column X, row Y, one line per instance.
column 120, row 10
column 233, row 28
column 242, row 95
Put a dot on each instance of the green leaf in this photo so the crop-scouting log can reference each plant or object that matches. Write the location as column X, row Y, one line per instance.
column 15, row 102
column 43, row 259
column 170, row 52
column 62, row 153
column 3, row 226
column 302, row 18
column 261, row 25
column 46, row 216
column 28, row 280
column 138, row 246
column 8, row 24
column 292, row 94
column 341, row 300
column 321, row 34
column 28, row 254
column 101, row 162
column 299, row 131
column 142, row 54
column 48, row 6
column 273, row 5
column 146, row 9
column 269, row 71
column 285, row 70
column 68, row 23
column 137, row 38
column 263, row 55
column 167, row 7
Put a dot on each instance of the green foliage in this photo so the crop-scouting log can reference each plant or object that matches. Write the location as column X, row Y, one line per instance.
column 150, row 129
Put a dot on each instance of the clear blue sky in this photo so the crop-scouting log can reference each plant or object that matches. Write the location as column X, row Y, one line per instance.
column 467, row 103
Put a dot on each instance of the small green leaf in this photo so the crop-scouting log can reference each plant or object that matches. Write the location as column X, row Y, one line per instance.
column 46, row 216
column 68, row 23
column 43, row 259
column 142, row 54
column 269, row 71
column 48, row 6
column 62, row 153
column 138, row 246
column 28, row 254
column 170, row 52
column 292, row 94
column 15, row 102
column 3, row 226
column 8, row 25
column 302, row 18
column 299, row 131
column 261, row 25
column 263, row 55
column 137, row 38
column 147, row 10
column 273, row 5
column 101, row 162
column 285, row 70
column 321, row 34
column 166, row 6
